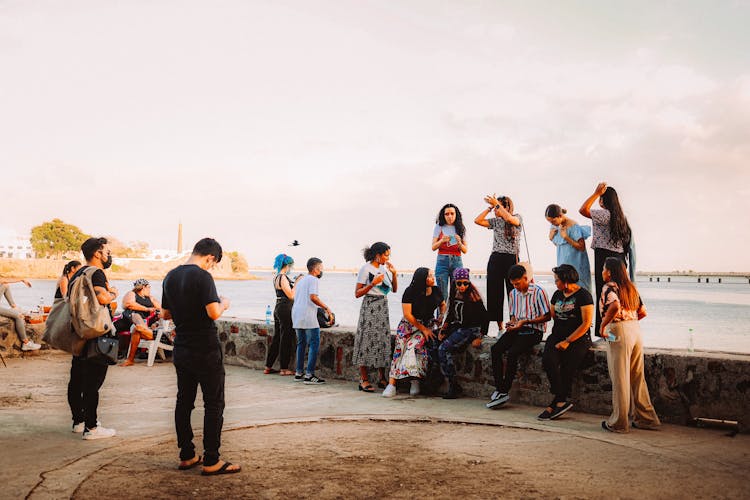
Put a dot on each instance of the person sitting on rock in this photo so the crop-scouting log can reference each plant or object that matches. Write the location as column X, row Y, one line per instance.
column 467, row 322
column 140, row 309
column 13, row 312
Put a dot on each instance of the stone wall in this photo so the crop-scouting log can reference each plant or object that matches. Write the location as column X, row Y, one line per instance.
column 10, row 346
column 683, row 385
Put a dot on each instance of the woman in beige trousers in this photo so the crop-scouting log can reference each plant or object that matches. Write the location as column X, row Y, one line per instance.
column 621, row 309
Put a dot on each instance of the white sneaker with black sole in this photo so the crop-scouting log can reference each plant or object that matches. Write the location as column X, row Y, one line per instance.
column 98, row 433
column 498, row 398
column 313, row 380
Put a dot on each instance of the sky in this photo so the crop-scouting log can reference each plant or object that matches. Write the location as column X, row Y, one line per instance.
column 339, row 124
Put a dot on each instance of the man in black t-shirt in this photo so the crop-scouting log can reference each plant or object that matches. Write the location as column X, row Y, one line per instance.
column 86, row 377
column 189, row 298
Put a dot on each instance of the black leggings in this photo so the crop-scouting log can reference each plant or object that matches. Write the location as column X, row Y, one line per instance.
column 600, row 255
column 283, row 336
column 561, row 366
column 498, row 284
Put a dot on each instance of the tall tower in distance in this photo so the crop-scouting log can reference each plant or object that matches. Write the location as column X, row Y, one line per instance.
column 179, row 238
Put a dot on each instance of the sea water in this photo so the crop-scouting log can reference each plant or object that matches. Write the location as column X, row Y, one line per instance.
column 717, row 313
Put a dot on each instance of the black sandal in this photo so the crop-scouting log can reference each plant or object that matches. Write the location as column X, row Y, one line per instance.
column 224, row 469
column 366, row 388
column 383, row 384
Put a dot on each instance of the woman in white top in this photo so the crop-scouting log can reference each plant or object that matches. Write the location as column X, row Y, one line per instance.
column 372, row 341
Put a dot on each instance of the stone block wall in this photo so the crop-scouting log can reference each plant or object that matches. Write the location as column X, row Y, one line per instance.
column 10, row 346
column 682, row 385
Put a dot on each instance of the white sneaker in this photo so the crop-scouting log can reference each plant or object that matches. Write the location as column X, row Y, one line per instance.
column 414, row 389
column 495, row 395
column 30, row 346
column 389, row 391
column 98, row 433
column 81, row 426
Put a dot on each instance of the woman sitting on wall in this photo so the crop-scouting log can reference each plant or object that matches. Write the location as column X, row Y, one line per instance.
column 418, row 326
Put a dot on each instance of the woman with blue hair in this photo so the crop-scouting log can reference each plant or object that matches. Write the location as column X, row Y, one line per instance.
column 283, row 333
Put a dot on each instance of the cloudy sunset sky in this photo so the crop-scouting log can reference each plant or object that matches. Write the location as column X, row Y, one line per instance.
column 342, row 123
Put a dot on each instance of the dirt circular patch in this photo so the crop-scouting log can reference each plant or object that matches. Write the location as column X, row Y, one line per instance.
column 367, row 459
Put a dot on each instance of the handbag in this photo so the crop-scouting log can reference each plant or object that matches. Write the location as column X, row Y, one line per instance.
column 324, row 320
column 58, row 330
column 102, row 350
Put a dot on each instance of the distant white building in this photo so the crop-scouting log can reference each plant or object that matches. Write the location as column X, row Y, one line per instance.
column 15, row 246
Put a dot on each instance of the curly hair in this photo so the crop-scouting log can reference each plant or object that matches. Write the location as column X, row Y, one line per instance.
column 458, row 224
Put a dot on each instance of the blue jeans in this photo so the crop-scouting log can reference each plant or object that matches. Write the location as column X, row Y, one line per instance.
column 305, row 337
column 456, row 341
column 444, row 268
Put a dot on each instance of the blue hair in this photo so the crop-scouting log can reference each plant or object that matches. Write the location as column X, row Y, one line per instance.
column 282, row 260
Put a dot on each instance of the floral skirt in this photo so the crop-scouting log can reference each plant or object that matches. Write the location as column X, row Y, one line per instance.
column 410, row 357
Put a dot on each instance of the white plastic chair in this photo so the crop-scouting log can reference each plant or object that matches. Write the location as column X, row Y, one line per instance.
column 156, row 345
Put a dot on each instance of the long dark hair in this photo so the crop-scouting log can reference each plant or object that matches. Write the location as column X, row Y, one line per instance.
column 629, row 297
column 459, row 224
column 419, row 280
column 618, row 223
column 377, row 248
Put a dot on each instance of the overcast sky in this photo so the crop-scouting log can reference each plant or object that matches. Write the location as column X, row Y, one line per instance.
column 342, row 123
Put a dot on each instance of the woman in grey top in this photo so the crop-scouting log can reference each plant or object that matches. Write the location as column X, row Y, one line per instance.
column 611, row 233
column 506, row 229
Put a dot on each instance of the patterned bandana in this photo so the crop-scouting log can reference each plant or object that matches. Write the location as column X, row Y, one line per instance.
column 461, row 274
column 140, row 282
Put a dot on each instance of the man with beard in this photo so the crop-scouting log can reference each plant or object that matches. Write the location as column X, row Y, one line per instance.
column 87, row 376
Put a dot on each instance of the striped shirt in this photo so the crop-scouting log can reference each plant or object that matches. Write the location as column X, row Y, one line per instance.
column 529, row 305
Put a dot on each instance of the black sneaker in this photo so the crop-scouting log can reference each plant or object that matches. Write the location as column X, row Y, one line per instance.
column 298, row 378
column 559, row 410
column 500, row 399
column 314, row 380
column 545, row 415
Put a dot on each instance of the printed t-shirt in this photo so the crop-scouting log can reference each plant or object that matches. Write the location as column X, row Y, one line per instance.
column 304, row 311
column 368, row 272
column 500, row 242
column 451, row 247
column 186, row 291
column 422, row 306
column 568, row 315
column 602, row 236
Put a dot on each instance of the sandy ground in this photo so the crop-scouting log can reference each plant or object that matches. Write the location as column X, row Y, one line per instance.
column 334, row 442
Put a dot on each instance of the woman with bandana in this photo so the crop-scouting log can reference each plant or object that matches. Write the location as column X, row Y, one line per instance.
column 140, row 310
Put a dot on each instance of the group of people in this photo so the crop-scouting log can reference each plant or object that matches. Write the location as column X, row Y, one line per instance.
column 443, row 311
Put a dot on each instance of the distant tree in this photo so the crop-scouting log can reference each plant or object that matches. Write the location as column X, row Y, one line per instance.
column 129, row 251
column 55, row 238
column 238, row 262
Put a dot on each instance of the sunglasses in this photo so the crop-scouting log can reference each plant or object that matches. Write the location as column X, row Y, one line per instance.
column 462, row 283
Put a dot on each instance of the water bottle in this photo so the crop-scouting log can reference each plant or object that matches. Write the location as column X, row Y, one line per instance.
column 41, row 306
column 691, row 341
column 268, row 315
